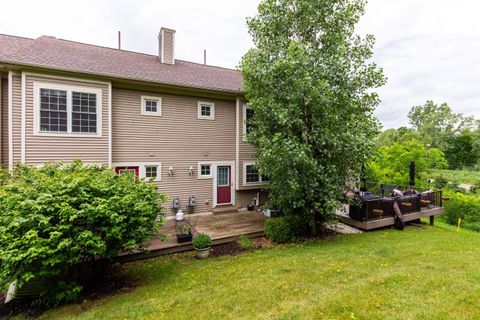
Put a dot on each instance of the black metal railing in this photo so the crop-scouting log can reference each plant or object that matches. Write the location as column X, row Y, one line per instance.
column 370, row 206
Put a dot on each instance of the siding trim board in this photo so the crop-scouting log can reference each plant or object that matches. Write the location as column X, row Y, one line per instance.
column 237, row 141
column 10, row 120
column 110, row 124
column 1, row 110
column 23, row 133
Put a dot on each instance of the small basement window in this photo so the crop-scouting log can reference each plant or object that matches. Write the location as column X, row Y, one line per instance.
column 252, row 175
column 151, row 106
column 204, row 171
column 206, row 110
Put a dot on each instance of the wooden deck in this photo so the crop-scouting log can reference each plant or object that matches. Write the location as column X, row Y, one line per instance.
column 389, row 221
column 222, row 228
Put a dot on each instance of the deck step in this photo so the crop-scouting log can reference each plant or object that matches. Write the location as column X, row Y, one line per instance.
column 224, row 210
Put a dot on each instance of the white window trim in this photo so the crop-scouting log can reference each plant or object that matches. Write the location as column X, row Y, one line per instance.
column 144, row 107
column 199, row 170
column 245, row 183
column 142, row 168
column 69, row 88
column 212, row 109
column 244, row 124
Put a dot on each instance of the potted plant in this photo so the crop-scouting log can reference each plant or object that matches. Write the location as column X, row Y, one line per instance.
column 202, row 244
column 184, row 232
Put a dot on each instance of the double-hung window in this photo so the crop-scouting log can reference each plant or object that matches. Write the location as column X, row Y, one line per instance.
column 252, row 176
column 67, row 110
column 247, row 118
column 84, row 112
column 53, row 110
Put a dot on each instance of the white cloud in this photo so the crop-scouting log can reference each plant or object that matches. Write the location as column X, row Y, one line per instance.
column 429, row 49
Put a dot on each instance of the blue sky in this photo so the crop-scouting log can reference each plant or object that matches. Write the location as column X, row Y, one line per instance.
column 429, row 49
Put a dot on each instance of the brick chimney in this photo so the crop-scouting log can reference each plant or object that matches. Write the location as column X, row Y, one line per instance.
column 166, row 46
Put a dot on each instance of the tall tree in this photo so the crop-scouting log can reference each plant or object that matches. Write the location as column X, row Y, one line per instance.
column 462, row 150
column 309, row 81
column 439, row 122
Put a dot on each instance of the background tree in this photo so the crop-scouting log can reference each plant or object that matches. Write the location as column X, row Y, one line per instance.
column 400, row 135
column 391, row 163
column 461, row 150
column 439, row 122
column 309, row 81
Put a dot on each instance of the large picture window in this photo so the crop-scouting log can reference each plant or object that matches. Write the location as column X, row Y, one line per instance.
column 67, row 110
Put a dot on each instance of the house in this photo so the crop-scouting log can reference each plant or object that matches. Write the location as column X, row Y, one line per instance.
column 178, row 123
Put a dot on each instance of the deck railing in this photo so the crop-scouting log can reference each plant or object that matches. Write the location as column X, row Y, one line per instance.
column 371, row 207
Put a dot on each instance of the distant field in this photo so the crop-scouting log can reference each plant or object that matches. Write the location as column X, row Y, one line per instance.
column 459, row 176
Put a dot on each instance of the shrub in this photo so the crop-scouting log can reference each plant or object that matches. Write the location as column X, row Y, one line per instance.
column 202, row 241
column 466, row 207
column 245, row 242
column 58, row 219
column 285, row 229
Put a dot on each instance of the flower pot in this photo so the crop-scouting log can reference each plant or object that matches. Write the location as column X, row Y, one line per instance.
column 203, row 253
column 184, row 238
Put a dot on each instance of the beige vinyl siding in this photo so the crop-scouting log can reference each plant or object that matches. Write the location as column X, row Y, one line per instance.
column 66, row 148
column 177, row 138
column 17, row 117
column 4, row 122
column 168, row 49
column 246, row 197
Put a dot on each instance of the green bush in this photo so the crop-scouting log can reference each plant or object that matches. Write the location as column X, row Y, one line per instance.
column 202, row 241
column 285, row 229
column 56, row 220
column 466, row 207
column 245, row 242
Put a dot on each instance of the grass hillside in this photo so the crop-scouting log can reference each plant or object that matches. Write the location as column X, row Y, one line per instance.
column 420, row 273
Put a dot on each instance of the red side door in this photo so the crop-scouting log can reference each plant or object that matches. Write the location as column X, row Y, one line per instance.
column 120, row 170
column 224, row 188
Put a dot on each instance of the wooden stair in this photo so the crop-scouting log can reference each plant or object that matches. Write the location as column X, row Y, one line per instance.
column 229, row 209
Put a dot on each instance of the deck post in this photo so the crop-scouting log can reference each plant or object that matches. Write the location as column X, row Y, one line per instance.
column 432, row 220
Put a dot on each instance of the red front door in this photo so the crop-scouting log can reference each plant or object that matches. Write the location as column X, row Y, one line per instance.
column 120, row 170
column 224, row 188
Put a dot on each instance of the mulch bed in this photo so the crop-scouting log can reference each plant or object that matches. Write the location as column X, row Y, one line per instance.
column 233, row 248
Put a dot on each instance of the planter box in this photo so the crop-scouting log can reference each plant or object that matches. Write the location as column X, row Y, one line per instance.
column 184, row 238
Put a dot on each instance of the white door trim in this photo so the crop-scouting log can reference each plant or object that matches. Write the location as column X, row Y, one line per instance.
column 233, row 171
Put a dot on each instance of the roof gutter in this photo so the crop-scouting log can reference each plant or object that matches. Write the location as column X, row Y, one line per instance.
column 17, row 66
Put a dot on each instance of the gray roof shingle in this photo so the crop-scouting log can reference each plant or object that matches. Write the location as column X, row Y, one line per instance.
column 65, row 55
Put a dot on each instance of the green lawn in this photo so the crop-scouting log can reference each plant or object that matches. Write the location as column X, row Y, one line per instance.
column 426, row 273
column 458, row 176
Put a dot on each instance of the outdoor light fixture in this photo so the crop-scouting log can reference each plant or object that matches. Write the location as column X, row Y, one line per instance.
column 170, row 171
column 190, row 171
